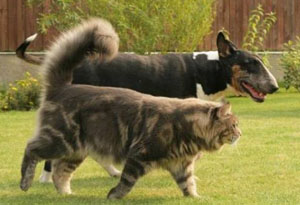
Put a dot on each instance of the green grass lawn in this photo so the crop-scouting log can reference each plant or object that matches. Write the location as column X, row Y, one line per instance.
column 264, row 168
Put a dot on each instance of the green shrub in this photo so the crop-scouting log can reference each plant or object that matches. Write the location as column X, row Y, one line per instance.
column 143, row 25
column 290, row 62
column 259, row 25
column 21, row 95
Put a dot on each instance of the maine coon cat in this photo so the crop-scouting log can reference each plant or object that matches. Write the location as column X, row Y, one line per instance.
column 115, row 124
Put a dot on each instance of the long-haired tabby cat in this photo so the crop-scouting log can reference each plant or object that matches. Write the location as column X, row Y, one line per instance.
column 117, row 124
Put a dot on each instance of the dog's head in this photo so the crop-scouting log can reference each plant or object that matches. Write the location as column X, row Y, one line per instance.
column 248, row 74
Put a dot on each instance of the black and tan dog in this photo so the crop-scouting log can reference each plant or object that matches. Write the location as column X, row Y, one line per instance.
column 205, row 75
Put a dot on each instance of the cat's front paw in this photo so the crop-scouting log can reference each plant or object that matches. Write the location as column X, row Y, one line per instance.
column 195, row 195
column 64, row 190
column 192, row 194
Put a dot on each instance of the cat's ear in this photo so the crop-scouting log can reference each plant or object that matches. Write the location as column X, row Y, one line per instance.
column 224, row 110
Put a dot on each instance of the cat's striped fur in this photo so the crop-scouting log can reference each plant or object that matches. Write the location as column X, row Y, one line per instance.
column 118, row 124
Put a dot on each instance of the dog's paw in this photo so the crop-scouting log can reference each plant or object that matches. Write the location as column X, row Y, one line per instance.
column 46, row 177
column 116, row 174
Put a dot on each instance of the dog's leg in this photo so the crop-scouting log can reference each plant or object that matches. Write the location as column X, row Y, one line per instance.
column 183, row 173
column 62, row 173
column 132, row 171
column 109, row 167
column 111, row 170
column 46, row 176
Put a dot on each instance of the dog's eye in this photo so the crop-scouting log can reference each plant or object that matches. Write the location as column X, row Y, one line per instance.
column 250, row 62
column 253, row 68
column 246, row 61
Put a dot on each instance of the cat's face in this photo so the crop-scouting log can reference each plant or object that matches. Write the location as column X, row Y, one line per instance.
column 226, row 125
column 231, row 132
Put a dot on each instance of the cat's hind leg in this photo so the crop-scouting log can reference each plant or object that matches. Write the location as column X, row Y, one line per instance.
column 133, row 170
column 29, row 163
column 44, row 146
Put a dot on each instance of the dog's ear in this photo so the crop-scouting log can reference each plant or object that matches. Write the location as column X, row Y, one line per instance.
column 225, row 47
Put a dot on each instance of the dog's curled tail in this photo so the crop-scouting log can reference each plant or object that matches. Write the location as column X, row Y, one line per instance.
column 93, row 35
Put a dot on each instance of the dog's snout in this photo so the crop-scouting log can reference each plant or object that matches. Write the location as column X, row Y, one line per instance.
column 268, row 82
column 274, row 88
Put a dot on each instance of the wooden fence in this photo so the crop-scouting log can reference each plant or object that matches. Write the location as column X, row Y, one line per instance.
column 233, row 16
column 17, row 21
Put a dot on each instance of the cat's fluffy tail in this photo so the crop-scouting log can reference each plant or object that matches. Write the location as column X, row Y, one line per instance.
column 94, row 35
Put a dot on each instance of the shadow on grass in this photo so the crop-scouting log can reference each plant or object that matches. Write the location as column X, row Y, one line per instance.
column 76, row 199
column 92, row 191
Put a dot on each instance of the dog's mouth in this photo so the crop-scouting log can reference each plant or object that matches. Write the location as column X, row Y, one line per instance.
column 254, row 93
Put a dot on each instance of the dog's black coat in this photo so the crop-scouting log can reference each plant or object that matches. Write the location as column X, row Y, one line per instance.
column 170, row 75
column 174, row 75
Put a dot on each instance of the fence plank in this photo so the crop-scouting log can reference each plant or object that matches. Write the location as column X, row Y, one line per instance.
column 274, row 29
column 289, row 13
column 297, row 17
column 12, row 33
column 239, row 15
column 3, row 25
column 20, row 21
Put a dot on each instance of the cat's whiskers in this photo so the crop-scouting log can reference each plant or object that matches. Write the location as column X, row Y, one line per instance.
column 221, row 149
column 234, row 145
